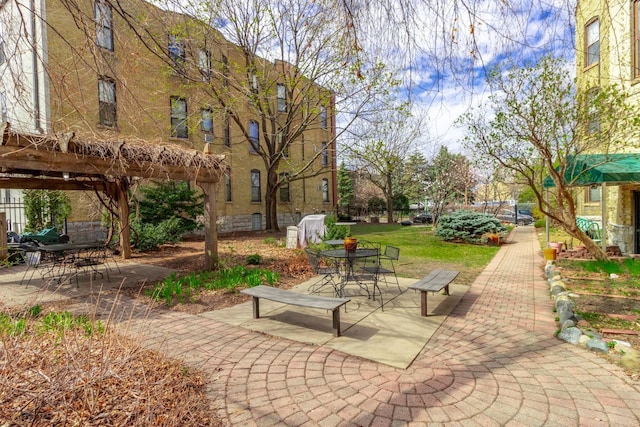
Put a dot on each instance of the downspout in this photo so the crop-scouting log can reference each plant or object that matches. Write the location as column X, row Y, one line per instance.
column 603, row 232
column 36, row 82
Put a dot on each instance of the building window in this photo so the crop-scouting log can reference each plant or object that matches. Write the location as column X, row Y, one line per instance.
column 592, row 43
column 323, row 117
column 254, row 136
column 285, row 196
column 179, row 118
column 3, row 107
column 104, row 23
column 325, row 190
column 2, row 57
column 255, row 186
column 325, row 154
column 227, row 132
column 204, row 63
column 206, row 121
column 256, row 221
column 225, row 71
column 282, row 98
column 636, row 39
column 593, row 111
column 253, row 77
column 593, row 194
column 107, row 102
column 227, row 187
column 176, row 50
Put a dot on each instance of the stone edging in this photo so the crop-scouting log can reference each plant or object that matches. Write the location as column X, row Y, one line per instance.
column 574, row 330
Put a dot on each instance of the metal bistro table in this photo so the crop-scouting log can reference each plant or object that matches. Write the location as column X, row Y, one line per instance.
column 72, row 258
column 350, row 256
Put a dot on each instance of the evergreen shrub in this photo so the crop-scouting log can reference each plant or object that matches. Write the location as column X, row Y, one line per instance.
column 467, row 226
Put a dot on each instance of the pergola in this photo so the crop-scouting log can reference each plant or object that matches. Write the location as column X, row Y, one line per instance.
column 66, row 163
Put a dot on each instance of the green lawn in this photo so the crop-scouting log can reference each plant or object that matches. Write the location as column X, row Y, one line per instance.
column 421, row 251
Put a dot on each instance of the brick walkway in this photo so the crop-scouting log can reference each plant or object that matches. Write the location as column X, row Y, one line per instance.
column 493, row 362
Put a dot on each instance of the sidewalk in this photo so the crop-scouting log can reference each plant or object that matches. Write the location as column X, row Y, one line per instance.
column 494, row 361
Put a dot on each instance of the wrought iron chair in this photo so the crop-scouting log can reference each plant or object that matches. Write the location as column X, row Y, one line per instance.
column 367, row 270
column 328, row 270
column 386, row 266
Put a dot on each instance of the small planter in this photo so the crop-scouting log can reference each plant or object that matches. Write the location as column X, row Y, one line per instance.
column 350, row 244
column 550, row 254
column 493, row 240
column 557, row 246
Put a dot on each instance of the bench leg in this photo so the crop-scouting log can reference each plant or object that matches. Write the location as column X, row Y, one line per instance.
column 256, row 307
column 446, row 290
column 336, row 322
column 423, row 303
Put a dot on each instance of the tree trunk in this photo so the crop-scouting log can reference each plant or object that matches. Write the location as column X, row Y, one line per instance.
column 594, row 249
column 389, row 200
column 271, row 203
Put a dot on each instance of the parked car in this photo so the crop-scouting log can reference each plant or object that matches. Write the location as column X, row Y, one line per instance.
column 423, row 218
column 510, row 217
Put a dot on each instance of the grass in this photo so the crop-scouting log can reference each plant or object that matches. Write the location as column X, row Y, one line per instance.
column 421, row 251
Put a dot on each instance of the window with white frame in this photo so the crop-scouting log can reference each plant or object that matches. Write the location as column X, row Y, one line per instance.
column 592, row 195
column 254, row 136
column 206, row 120
column 325, row 189
column 592, row 42
column 107, row 102
column 282, row 97
column 256, row 195
column 204, row 63
column 179, row 127
column 104, row 24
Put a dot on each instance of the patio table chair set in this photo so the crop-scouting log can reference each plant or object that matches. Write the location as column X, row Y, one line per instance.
column 366, row 267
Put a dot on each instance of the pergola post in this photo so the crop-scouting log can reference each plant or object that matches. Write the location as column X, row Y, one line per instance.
column 210, row 229
column 123, row 213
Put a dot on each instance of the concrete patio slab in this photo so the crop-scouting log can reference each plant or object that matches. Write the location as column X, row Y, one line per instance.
column 393, row 336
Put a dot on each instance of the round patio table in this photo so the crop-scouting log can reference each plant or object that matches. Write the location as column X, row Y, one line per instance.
column 340, row 254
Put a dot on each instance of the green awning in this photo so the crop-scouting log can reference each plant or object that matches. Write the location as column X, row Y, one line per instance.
column 592, row 169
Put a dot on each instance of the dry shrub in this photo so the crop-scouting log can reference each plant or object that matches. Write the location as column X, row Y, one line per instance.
column 67, row 377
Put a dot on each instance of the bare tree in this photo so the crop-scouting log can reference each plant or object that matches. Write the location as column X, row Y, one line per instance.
column 380, row 147
column 538, row 125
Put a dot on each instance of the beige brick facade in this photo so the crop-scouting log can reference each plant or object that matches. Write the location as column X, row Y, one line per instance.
column 144, row 85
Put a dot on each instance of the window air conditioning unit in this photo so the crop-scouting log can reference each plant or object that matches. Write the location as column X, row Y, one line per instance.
column 208, row 137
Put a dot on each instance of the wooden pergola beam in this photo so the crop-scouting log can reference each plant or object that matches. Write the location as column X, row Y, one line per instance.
column 52, row 184
column 52, row 161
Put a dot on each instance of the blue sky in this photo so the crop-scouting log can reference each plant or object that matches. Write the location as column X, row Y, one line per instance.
column 501, row 35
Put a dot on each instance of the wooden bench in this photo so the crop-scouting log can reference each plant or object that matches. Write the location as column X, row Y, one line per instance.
column 294, row 298
column 433, row 282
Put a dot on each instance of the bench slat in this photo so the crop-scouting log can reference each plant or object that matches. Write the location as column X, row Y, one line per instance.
column 435, row 281
column 295, row 298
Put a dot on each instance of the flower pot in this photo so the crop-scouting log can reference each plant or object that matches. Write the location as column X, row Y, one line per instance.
column 550, row 254
column 350, row 244
column 557, row 246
